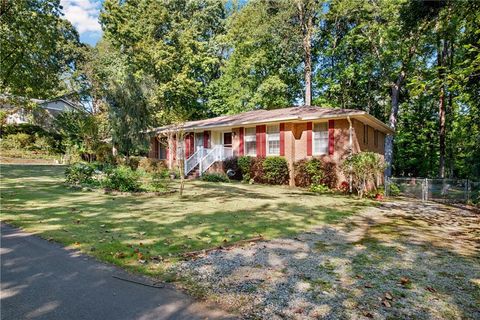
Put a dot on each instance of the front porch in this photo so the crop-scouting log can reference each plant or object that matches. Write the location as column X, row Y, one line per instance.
column 204, row 158
column 199, row 151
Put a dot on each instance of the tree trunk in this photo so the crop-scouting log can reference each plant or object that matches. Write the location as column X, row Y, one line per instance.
column 306, row 22
column 393, row 123
column 308, row 70
column 442, row 57
column 441, row 133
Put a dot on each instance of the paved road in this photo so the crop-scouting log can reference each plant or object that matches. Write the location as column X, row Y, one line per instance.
column 42, row 280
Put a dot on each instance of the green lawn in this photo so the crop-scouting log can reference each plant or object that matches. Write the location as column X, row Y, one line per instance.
column 117, row 228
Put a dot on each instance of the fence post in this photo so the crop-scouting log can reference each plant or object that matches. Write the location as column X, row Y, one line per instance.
column 387, row 191
column 423, row 190
column 425, row 194
column 467, row 191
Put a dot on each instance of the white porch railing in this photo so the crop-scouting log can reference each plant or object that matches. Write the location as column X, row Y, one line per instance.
column 205, row 158
column 194, row 159
column 218, row 153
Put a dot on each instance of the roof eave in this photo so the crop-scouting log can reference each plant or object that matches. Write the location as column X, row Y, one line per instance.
column 371, row 118
column 359, row 114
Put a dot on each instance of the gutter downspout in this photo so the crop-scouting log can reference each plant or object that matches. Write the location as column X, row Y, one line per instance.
column 350, row 147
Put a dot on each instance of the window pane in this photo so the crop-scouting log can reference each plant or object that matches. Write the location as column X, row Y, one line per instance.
column 273, row 138
column 250, row 142
column 320, row 138
column 273, row 147
column 251, row 148
column 273, row 129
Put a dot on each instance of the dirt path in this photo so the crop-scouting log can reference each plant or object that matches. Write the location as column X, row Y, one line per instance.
column 400, row 260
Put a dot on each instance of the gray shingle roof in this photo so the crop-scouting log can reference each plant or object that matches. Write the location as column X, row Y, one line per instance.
column 301, row 113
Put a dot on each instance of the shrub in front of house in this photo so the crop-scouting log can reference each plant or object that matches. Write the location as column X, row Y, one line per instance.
column 44, row 143
column 301, row 176
column 271, row 170
column 17, row 141
column 80, row 174
column 244, row 163
column 308, row 172
column 365, row 169
column 132, row 162
column 315, row 171
column 122, row 178
column 30, row 137
column 215, row 177
column 231, row 168
column 329, row 174
column 151, row 165
column 275, row 170
column 256, row 170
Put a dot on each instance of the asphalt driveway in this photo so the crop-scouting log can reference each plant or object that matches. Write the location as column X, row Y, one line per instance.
column 42, row 280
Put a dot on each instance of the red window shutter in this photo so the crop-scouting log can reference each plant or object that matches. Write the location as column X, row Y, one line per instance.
column 259, row 138
column 206, row 139
column 192, row 143
column 261, row 148
column 282, row 139
column 309, row 139
column 241, row 150
column 157, row 149
column 189, row 145
column 331, row 136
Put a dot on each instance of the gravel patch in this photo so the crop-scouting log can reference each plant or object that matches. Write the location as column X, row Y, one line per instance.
column 401, row 260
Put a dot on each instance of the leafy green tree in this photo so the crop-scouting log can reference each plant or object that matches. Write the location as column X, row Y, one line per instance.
column 262, row 59
column 37, row 48
column 376, row 45
column 80, row 133
column 173, row 43
column 269, row 56
column 129, row 115
column 99, row 66
column 366, row 170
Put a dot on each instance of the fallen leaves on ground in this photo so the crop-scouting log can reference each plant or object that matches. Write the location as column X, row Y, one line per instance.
column 119, row 255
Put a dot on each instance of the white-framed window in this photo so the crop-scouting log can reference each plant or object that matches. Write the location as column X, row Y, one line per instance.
column 250, row 141
column 273, row 140
column 320, row 138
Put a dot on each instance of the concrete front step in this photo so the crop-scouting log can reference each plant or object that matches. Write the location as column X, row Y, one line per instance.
column 194, row 174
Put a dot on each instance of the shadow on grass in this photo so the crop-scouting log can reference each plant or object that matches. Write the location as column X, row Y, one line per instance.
column 34, row 198
column 210, row 215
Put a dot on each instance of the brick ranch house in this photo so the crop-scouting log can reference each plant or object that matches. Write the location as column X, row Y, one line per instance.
column 295, row 133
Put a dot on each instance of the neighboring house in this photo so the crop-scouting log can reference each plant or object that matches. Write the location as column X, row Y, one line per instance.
column 294, row 133
column 49, row 109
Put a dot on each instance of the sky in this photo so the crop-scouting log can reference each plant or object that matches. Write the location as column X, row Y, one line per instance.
column 83, row 14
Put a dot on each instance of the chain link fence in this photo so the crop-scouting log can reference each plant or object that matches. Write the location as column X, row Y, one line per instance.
column 445, row 190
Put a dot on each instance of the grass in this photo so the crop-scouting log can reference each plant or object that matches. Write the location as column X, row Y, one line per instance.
column 129, row 229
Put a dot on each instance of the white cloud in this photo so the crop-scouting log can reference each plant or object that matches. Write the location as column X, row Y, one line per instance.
column 83, row 14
